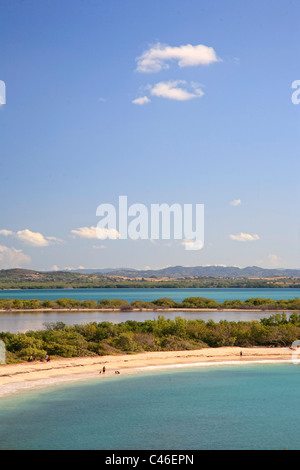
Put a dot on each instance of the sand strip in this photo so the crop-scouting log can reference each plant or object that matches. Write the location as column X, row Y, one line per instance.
column 24, row 376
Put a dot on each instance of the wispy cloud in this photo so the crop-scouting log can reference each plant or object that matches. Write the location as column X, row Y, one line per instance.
column 69, row 268
column 274, row 260
column 95, row 233
column 30, row 238
column 178, row 90
column 6, row 233
column 85, row 232
column 236, row 202
column 157, row 57
column 192, row 244
column 12, row 258
column 244, row 237
column 142, row 100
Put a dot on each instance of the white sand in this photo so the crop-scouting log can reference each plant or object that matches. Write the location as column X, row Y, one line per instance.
column 24, row 376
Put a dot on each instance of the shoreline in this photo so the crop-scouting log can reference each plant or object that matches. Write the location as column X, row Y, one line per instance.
column 21, row 377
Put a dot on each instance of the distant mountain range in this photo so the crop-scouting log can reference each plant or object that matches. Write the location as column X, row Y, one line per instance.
column 173, row 276
column 175, row 272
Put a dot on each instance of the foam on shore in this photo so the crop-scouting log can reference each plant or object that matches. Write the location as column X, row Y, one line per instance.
column 27, row 385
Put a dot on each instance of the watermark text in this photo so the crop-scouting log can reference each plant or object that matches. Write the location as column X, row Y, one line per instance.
column 160, row 222
column 2, row 352
column 2, row 93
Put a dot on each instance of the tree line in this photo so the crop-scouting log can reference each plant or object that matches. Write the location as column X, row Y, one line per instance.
column 89, row 281
column 61, row 341
column 161, row 303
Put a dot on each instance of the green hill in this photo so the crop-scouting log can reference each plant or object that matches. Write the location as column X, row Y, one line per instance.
column 32, row 279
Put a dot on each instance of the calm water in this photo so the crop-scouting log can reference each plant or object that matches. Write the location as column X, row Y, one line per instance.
column 220, row 295
column 215, row 407
column 22, row 322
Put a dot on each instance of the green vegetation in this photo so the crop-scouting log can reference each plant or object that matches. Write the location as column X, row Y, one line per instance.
column 94, row 339
column 162, row 303
column 29, row 279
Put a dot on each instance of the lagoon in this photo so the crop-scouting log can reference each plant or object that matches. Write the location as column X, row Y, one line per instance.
column 15, row 322
column 20, row 322
column 219, row 295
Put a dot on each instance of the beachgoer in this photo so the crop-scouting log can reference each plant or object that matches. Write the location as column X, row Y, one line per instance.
column 117, row 371
column 241, row 353
column 103, row 369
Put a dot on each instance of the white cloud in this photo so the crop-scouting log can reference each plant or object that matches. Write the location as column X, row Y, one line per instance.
column 68, row 268
column 54, row 240
column 6, row 233
column 85, row 232
column 12, row 258
column 30, row 238
column 142, row 100
column 174, row 90
column 156, row 58
column 218, row 265
column 103, row 233
column 274, row 260
column 244, row 237
column 192, row 244
column 96, row 232
column 236, row 202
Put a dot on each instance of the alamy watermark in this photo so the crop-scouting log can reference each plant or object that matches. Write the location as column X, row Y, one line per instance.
column 296, row 93
column 2, row 352
column 162, row 221
column 2, row 92
column 296, row 352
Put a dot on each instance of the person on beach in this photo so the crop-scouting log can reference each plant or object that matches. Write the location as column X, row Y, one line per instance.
column 241, row 353
column 103, row 369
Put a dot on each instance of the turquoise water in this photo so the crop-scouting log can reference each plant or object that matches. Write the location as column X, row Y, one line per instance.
column 220, row 295
column 21, row 322
column 216, row 407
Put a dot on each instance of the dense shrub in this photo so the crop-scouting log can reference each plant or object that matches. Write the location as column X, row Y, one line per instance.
column 59, row 340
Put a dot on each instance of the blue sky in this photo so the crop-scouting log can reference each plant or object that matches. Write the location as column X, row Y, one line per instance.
column 73, row 136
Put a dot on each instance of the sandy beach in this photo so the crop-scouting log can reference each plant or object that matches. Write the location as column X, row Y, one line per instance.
column 15, row 378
